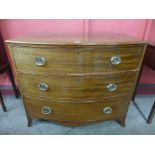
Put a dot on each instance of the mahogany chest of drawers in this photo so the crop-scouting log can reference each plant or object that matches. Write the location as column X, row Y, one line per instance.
column 77, row 81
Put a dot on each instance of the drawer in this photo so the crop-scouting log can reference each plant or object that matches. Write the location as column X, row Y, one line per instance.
column 82, row 88
column 68, row 111
column 43, row 61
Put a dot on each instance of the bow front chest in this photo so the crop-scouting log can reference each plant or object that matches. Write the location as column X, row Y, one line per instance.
column 77, row 81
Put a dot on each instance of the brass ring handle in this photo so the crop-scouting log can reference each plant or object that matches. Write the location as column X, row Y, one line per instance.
column 43, row 86
column 107, row 110
column 111, row 87
column 46, row 110
column 40, row 61
column 115, row 60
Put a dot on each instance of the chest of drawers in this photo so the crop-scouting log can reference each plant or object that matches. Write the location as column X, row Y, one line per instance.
column 77, row 81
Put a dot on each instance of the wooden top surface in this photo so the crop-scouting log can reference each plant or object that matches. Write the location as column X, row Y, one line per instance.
column 76, row 39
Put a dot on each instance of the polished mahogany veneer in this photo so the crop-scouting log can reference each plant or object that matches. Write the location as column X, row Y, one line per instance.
column 74, row 81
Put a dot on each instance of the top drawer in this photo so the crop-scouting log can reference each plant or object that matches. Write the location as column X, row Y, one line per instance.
column 96, row 59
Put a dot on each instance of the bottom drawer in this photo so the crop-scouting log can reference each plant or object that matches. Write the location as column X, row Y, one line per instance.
column 77, row 112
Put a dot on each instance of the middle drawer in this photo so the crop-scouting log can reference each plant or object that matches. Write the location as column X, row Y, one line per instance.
column 84, row 88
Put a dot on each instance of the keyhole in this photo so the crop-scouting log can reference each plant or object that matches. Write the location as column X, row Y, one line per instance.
column 77, row 80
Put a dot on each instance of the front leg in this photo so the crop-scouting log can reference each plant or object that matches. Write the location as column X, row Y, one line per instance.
column 29, row 124
column 121, row 121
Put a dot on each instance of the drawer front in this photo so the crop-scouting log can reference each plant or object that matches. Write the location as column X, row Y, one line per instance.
column 68, row 111
column 83, row 88
column 76, row 60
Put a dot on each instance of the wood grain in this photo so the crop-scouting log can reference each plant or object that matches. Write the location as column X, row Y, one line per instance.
column 76, row 60
column 75, row 111
column 85, row 88
column 75, row 39
column 77, row 73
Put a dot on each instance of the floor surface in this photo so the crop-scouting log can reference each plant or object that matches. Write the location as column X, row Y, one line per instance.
column 14, row 122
